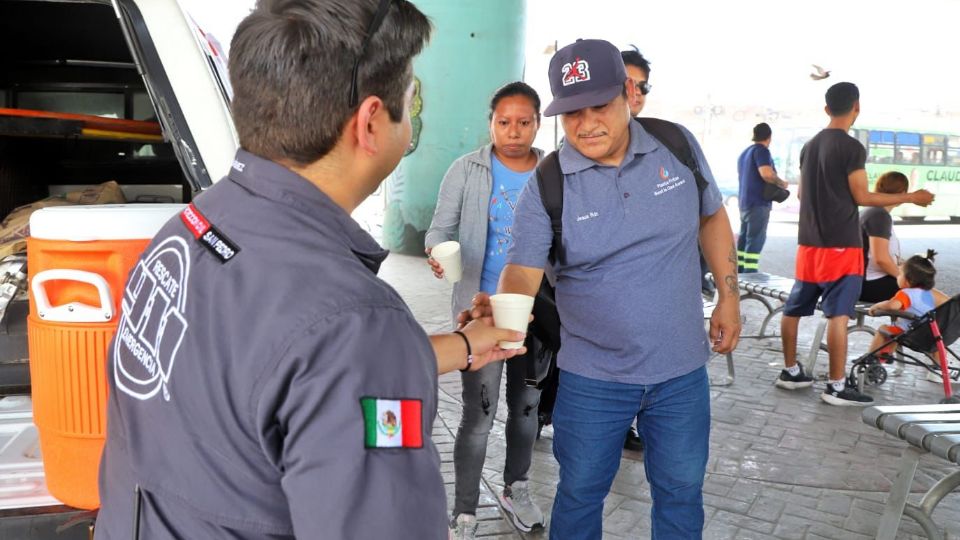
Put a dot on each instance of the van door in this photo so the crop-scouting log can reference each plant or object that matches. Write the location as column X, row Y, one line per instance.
column 185, row 76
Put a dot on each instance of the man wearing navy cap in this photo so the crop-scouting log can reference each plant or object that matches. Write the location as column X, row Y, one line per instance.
column 628, row 293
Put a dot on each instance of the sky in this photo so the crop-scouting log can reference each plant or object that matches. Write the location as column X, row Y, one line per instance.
column 719, row 67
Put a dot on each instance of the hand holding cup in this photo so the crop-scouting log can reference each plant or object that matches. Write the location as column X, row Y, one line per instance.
column 445, row 261
column 512, row 312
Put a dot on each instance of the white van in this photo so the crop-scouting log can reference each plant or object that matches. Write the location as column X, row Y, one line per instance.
column 141, row 60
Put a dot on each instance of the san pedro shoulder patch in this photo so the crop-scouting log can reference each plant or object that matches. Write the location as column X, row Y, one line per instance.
column 392, row 422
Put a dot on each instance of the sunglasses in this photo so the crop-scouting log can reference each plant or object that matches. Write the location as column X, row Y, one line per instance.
column 371, row 30
column 643, row 87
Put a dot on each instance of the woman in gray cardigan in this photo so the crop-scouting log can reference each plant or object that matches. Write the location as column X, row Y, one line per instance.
column 475, row 207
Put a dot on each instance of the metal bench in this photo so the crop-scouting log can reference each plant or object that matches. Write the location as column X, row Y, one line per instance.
column 933, row 429
column 764, row 287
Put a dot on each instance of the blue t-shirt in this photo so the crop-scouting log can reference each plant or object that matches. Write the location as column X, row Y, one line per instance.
column 503, row 201
column 751, row 183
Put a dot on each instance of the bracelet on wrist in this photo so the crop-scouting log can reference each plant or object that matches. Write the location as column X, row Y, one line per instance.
column 469, row 350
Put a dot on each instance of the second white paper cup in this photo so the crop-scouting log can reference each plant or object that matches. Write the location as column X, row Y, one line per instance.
column 511, row 311
column 448, row 255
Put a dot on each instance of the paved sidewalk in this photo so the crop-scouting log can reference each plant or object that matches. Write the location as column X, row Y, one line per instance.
column 782, row 464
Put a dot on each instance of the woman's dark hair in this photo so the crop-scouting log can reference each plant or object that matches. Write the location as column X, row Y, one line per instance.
column 634, row 58
column 919, row 270
column 892, row 182
column 517, row 88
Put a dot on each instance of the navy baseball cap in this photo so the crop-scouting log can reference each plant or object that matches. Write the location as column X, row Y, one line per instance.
column 586, row 73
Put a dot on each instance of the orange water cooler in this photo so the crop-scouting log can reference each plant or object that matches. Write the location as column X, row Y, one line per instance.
column 78, row 258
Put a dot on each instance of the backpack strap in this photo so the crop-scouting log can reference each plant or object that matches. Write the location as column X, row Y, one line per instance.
column 550, row 182
column 670, row 135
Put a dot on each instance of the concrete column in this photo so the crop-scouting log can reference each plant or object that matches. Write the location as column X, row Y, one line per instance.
column 477, row 46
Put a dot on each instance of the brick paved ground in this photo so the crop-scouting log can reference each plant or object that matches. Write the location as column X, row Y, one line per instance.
column 782, row 464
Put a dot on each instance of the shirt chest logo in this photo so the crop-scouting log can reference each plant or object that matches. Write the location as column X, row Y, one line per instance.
column 667, row 183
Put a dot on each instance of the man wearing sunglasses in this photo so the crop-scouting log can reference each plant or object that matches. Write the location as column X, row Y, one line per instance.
column 302, row 400
column 638, row 71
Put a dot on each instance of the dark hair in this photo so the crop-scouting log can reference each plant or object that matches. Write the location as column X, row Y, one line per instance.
column 634, row 58
column 761, row 132
column 919, row 271
column 291, row 65
column 516, row 88
column 892, row 182
column 841, row 97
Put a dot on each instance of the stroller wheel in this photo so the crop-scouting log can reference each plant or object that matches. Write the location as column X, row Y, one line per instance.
column 876, row 375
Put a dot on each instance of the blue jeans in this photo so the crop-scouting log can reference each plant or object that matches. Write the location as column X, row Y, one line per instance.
column 589, row 421
column 753, row 235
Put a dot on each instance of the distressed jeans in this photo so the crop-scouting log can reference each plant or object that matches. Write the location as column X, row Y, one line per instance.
column 481, row 392
column 589, row 420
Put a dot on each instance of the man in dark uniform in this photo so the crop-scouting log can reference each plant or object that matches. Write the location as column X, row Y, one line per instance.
column 755, row 168
column 264, row 383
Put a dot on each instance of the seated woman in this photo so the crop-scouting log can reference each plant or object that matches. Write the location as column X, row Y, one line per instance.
column 880, row 244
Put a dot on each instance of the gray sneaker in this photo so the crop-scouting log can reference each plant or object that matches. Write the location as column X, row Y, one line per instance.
column 464, row 527
column 525, row 513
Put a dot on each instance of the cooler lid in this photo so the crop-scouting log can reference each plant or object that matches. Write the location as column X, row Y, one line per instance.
column 86, row 223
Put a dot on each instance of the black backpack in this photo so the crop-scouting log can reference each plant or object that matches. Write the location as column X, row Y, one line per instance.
column 546, row 320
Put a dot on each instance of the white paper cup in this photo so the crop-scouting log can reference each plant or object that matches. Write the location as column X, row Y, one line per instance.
column 511, row 311
column 448, row 255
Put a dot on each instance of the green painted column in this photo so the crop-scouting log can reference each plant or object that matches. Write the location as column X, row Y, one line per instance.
column 477, row 46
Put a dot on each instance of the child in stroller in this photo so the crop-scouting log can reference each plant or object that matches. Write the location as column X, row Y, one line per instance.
column 926, row 321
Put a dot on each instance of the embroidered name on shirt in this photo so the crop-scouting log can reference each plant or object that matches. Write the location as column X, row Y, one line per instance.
column 215, row 241
column 669, row 185
column 588, row 215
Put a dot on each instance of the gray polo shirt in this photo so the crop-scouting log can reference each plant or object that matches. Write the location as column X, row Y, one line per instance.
column 251, row 332
column 629, row 291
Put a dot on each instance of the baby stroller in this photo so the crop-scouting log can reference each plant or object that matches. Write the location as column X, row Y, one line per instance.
column 930, row 335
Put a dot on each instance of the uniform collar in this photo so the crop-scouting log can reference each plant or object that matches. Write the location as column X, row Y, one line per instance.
column 273, row 181
column 641, row 142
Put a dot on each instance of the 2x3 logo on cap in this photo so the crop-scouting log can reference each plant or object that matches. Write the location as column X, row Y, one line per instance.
column 576, row 71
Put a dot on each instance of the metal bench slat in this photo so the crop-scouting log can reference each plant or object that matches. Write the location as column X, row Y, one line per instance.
column 873, row 415
column 946, row 447
column 921, row 435
column 894, row 424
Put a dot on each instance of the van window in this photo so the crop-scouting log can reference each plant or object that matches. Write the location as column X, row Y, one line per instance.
column 95, row 103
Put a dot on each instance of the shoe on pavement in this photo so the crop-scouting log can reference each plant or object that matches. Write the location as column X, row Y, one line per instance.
column 525, row 513
column 463, row 527
column 793, row 382
column 633, row 441
column 849, row 397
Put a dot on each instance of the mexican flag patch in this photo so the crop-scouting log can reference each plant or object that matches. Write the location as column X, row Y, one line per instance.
column 392, row 423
